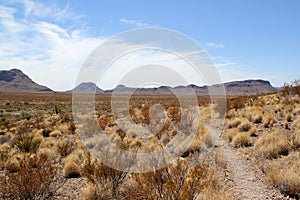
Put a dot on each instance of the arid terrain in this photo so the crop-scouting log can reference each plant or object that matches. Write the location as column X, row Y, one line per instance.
column 255, row 157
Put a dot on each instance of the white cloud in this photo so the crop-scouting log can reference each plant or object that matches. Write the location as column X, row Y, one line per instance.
column 136, row 22
column 215, row 45
column 49, row 53
column 218, row 65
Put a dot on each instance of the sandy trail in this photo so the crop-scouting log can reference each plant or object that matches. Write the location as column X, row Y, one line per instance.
column 242, row 179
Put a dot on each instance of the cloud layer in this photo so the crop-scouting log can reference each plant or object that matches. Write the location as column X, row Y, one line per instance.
column 33, row 40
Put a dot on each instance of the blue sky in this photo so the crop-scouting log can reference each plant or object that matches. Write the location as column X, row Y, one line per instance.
column 49, row 40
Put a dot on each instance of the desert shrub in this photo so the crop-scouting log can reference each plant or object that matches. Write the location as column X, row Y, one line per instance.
column 13, row 164
column 272, row 144
column 236, row 102
column 4, row 154
column 179, row 180
column 241, row 140
column 26, row 142
column 284, row 177
column 72, row 127
column 244, row 126
column 252, row 131
column 231, row 133
column 55, row 133
column 234, row 123
column 34, row 181
column 257, row 119
column 71, row 169
column 65, row 146
column 269, row 120
column 103, row 178
column 294, row 140
column 200, row 139
column 292, row 88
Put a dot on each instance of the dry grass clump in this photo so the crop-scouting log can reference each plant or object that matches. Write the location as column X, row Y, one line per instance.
column 71, row 169
column 241, row 140
column 66, row 146
column 4, row 154
column 55, row 133
column 294, row 140
column 234, row 123
column 272, row 144
column 283, row 176
column 257, row 118
column 201, row 137
column 252, row 131
column 13, row 163
column 231, row 133
column 244, row 126
column 269, row 120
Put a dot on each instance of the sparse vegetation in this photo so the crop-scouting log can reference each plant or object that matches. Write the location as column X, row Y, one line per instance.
column 39, row 139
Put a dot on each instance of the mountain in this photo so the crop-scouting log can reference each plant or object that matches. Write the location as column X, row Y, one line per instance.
column 235, row 88
column 15, row 80
column 248, row 87
column 87, row 87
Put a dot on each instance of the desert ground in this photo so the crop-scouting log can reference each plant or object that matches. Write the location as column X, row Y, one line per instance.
column 256, row 155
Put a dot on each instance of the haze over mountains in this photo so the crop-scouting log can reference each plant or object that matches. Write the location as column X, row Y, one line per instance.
column 15, row 80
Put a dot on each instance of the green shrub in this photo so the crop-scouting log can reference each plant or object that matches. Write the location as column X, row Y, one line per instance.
column 26, row 142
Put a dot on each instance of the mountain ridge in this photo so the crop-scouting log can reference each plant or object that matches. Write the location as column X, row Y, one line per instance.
column 15, row 80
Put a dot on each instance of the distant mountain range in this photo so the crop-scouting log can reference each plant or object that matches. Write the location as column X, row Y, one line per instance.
column 15, row 80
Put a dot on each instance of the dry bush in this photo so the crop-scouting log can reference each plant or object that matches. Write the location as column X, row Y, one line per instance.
column 200, row 138
column 38, row 178
column 55, row 133
column 66, row 146
column 241, row 140
column 71, row 169
column 294, row 140
column 174, row 113
column 145, row 113
column 106, row 180
column 284, row 176
column 234, row 123
column 244, row 126
column 95, row 192
column 269, row 120
column 179, row 180
column 272, row 144
column 231, row 133
column 252, row 131
column 4, row 154
column 26, row 142
column 257, row 119
column 236, row 102
column 13, row 163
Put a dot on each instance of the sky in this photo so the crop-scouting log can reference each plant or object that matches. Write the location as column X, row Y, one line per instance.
column 51, row 40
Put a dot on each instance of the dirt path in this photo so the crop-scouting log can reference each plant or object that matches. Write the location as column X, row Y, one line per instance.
column 242, row 180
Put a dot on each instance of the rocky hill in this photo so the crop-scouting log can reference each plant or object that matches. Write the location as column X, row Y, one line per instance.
column 236, row 88
column 15, row 80
column 87, row 87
